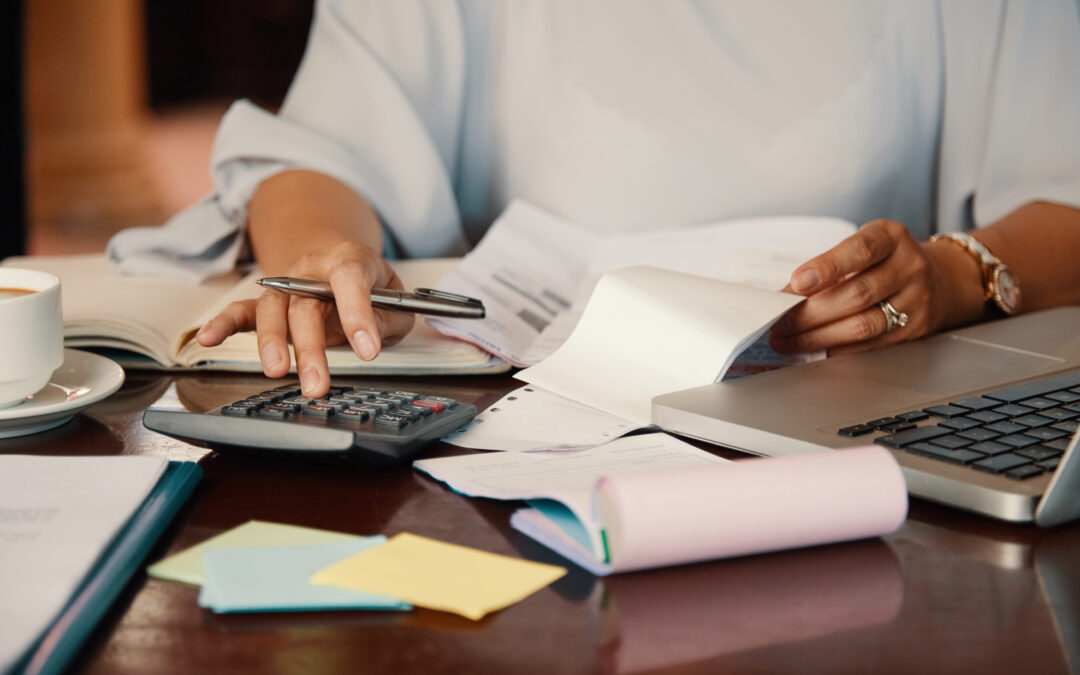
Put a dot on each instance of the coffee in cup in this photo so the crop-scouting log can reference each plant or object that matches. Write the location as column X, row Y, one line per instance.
column 31, row 332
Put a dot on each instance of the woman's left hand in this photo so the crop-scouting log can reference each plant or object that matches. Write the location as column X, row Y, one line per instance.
column 846, row 286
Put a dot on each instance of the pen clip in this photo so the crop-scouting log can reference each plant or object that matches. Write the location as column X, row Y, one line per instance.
column 452, row 297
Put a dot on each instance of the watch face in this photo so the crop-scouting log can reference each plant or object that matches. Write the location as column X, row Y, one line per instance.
column 1006, row 289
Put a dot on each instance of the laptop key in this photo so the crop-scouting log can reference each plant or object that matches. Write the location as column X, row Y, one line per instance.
column 951, row 441
column 1005, row 427
column 961, row 456
column 1045, row 433
column 883, row 422
column 1039, row 453
column 1014, row 410
column 1018, row 440
column 1036, row 388
column 978, row 434
column 961, row 423
column 1032, row 421
column 990, row 448
column 1061, row 444
column 1050, row 464
column 1059, row 414
column 898, row 426
column 1001, row 463
column 987, row 416
column 976, row 403
column 1039, row 403
column 1064, row 396
column 1022, row 472
column 904, row 438
column 946, row 411
column 1068, row 427
column 913, row 416
column 856, row 430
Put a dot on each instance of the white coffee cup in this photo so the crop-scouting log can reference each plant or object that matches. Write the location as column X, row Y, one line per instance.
column 31, row 333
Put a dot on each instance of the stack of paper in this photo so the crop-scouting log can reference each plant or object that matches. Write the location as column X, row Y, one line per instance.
column 260, row 567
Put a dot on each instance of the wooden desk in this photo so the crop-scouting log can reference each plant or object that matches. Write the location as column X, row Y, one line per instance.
column 948, row 592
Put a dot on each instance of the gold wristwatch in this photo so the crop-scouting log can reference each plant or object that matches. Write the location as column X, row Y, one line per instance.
column 1000, row 285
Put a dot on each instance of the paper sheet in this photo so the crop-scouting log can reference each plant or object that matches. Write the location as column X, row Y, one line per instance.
column 441, row 576
column 58, row 514
column 535, row 271
column 648, row 331
column 187, row 566
column 276, row 579
column 567, row 477
column 530, row 418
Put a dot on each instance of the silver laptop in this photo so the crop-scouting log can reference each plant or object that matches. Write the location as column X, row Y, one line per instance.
column 982, row 418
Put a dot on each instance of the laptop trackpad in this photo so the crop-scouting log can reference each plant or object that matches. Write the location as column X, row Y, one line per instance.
column 944, row 364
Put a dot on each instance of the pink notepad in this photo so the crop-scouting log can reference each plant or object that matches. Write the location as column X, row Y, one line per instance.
column 691, row 514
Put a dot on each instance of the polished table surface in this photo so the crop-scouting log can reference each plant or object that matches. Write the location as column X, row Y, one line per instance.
column 948, row 592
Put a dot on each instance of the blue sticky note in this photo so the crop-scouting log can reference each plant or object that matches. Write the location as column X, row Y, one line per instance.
column 275, row 579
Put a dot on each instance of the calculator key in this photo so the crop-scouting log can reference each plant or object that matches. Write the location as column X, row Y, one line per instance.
column 294, row 387
column 1032, row 421
column 343, row 400
column 448, row 402
column 299, row 400
column 369, row 409
column 1005, row 427
column 978, row 434
column 990, row 448
column 961, row 456
column 330, row 403
column 1018, row 440
column 237, row 411
column 316, row 410
column 976, row 403
column 1022, row 472
column 1064, row 396
column 265, row 398
column 405, row 394
column 435, row 406
column 286, row 407
column 273, row 413
column 1046, row 433
column 913, row 416
column 420, row 410
column 353, row 414
column 391, row 420
column 960, row 423
column 1001, row 463
column 1039, row 403
column 946, row 411
column 882, row 422
column 1014, row 410
column 387, row 401
column 369, row 390
column 905, row 438
column 358, row 395
column 1039, row 453
column 951, row 442
column 254, row 405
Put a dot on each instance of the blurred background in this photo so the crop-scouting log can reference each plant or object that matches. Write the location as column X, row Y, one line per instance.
column 111, row 107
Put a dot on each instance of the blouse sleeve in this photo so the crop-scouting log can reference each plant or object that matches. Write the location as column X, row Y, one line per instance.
column 376, row 103
column 1012, row 104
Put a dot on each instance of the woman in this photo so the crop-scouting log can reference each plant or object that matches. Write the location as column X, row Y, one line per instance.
column 411, row 124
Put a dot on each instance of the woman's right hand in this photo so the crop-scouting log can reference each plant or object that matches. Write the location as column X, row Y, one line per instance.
column 352, row 269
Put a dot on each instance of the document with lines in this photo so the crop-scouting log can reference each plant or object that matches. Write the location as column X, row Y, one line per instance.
column 535, row 271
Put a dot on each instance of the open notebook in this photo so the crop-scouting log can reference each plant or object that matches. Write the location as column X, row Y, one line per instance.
column 151, row 322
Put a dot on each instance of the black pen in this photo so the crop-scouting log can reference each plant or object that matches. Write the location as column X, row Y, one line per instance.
column 419, row 300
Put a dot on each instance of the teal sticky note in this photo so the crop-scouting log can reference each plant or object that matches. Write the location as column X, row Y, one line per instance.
column 275, row 579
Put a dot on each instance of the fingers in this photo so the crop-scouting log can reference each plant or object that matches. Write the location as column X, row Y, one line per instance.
column 273, row 332
column 352, row 285
column 237, row 317
column 873, row 243
column 307, row 319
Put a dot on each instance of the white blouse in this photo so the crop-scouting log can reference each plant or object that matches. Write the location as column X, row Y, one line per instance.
column 636, row 115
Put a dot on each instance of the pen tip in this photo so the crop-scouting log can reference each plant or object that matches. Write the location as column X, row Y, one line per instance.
column 260, row 282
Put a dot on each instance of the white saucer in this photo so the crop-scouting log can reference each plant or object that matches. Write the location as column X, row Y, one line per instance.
column 83, row 379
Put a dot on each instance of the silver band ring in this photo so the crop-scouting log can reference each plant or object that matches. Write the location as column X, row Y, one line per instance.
column 893, row 317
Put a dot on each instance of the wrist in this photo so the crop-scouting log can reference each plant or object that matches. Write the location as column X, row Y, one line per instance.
column 959, row 285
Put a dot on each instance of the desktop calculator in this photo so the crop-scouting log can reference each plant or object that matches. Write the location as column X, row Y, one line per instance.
column 362, row 426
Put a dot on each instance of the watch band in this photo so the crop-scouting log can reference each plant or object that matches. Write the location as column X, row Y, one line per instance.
column 1001, row 288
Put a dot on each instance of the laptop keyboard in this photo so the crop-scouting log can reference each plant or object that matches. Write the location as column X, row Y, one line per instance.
column 1019, row 431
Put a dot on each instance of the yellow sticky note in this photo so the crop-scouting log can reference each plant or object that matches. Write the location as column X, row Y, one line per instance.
column 438, row 575
column 187, row 566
